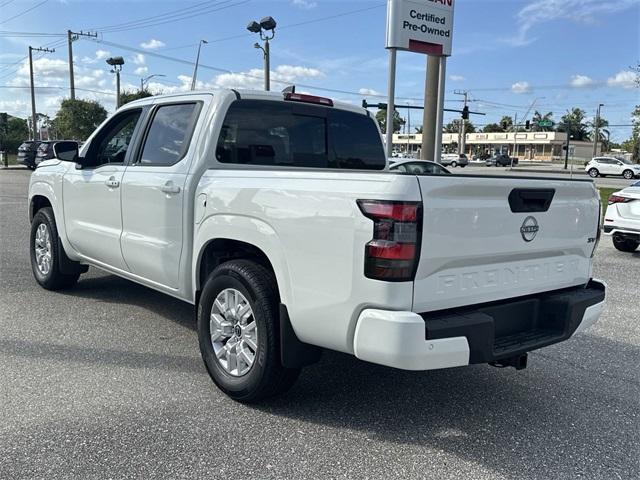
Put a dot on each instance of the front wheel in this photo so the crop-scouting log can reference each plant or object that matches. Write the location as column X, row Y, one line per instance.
column 454, row 164
column 239, row 332
column 45, row 263
column 625, row 244
column 593, row 173
column 628, row 174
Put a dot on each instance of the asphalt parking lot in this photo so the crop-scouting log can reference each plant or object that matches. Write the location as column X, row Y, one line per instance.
column 106, row 381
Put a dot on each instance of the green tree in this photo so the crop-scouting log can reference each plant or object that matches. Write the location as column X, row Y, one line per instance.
column 13, row 131
column 130, row 96
column 575, row 124
column 603, row 132
column 398, row 121
column 539, row 117
column 454, row 127
column 506, row 123
column 492, row 128
column 77, row 119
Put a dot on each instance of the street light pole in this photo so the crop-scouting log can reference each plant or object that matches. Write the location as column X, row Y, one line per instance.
column 597, row 131
column 116, row 64
column 266, row 25
column 144, row 81
column 195, row 70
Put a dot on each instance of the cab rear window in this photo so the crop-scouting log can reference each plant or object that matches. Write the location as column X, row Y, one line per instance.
column 283, row 134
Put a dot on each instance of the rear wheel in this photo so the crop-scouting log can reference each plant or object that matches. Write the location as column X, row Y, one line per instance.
column 628, row 174
column 625, row 244
column 454, row 164
column 239, row 332
column 45, row 263
column 593, row 173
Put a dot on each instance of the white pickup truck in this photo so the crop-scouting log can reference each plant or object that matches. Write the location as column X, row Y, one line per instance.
column 275, row 214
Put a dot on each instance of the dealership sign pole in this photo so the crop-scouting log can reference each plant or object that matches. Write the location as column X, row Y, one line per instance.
column 420, row 26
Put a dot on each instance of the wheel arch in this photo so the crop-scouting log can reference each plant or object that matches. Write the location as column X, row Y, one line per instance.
column 252, row 239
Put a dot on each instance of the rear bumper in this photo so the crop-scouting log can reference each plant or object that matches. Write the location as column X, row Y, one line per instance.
column 632, row 233
column 478, row 334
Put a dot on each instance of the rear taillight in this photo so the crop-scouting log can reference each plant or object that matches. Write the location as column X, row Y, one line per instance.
column 618, row 199
column 392, row 255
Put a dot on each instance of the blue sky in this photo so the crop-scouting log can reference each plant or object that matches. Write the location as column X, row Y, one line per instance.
column 506, row 53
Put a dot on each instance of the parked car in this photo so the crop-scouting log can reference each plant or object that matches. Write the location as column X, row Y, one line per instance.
column 454, row 160
column 419, row 167
column 27, row 154
column 501, row 160
column 276, row 216
column 622, row 219
column 482, row 157
column 603, row 166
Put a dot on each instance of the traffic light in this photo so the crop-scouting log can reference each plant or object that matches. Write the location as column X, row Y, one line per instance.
column 465, row 113
column 527, row 125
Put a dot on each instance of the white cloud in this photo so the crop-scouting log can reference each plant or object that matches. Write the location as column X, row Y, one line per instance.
column 254, row 78
column 138, row 59
column 152, row 44
column 141, row 70
column 457, row 78
column 543, row 11
column 45, row 68
column 624, row 79
column 369, row 91
column 102, row 54
column 581, row 81
column 306, row 4
column 521, row 87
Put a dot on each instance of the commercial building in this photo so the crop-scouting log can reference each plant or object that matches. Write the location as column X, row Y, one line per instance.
column 540, row 146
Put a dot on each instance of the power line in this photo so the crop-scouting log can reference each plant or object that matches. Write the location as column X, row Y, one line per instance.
column 173, row 18
column 24, row 12
column 9, row 33
column 6, row 3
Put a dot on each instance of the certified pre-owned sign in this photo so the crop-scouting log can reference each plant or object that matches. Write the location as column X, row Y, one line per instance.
column 423, row 26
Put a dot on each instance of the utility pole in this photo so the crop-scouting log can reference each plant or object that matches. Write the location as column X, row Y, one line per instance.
column 430, row 117
column 266, row 25
column 391, row 102
column 267, row 66
column 596, row 136
column 71, row 37
column 34, row 120
column 462, row 131
column 440, row 113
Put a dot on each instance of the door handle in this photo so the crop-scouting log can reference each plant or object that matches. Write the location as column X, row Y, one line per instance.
column 170, row 188
column 112, row 183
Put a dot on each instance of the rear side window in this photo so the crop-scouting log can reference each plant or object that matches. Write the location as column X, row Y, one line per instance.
column 168, row 138
column 258, row 132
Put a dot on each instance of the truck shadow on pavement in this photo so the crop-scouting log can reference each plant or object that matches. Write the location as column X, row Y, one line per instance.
column 568, row 415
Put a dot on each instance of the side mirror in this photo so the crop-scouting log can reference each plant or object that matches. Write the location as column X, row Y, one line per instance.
column 66, row 151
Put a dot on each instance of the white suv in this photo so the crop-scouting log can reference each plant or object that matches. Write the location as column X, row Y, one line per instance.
column 603, row 166
column 622, row 220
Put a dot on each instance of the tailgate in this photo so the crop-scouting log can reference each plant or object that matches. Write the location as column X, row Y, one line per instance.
column 488, row 238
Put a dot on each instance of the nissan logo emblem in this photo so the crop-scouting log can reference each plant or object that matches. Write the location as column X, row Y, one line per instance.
column 529, row 229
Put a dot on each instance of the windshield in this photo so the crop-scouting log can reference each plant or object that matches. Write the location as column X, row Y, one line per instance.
column 624, row 160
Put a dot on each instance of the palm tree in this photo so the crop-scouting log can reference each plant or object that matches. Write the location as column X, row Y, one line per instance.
column 603, row 132
column 537, row 118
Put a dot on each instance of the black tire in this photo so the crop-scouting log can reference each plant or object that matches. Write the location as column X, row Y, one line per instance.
column 626, row 245
column 454, row 164
column 266, row 377
column 628, row 174
column 594, row 173
column 53, row 279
